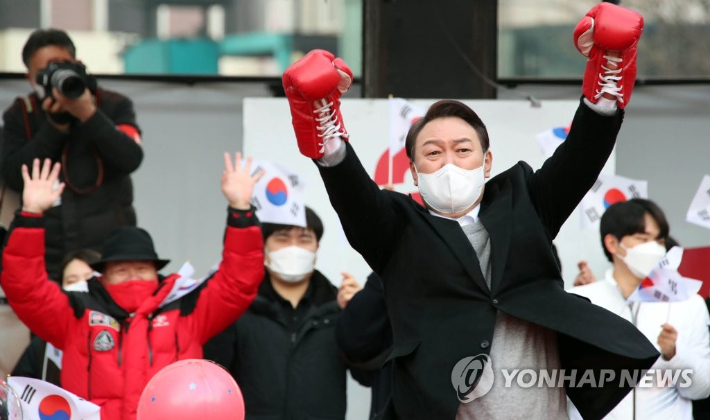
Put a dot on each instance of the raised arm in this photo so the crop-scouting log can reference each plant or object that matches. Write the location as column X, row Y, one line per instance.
column 234, row 286
column 37, row 301
column 608, row 35
column 313, row 86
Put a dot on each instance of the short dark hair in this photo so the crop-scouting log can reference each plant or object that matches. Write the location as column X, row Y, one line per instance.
column 627, row 218
column 313, row 223
column 442, row 109
column 43, row 38
column 87, row 255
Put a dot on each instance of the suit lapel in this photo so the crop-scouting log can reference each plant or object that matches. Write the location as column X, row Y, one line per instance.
column 496, row 213
column 452, row 234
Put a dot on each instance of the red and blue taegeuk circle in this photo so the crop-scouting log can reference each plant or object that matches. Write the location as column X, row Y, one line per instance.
column 54, row 407
column 560, row 132
column 276, row 192
column 613, row 196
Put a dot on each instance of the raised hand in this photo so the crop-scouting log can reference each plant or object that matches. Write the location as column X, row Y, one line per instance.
column 237, row 183
column 313, row 86
column 608, row 35
column 666, row 341
column 348, row 288
column 585, row 275
column 39, row 192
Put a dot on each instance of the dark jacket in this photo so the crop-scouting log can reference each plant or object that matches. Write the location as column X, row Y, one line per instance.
column 438, row 302
column 287, row 369
column 364, row 335
column 97, row 160
column 109, row 354
column 34, row 363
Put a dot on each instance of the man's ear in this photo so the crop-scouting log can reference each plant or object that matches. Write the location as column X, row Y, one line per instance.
column 415, row 176
column 611, row 243
column 487, row 163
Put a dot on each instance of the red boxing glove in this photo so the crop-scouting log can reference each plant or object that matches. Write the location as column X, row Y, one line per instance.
column 608, row 35
column 313, row 87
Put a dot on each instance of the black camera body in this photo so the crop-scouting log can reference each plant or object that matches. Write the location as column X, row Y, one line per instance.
column 69, row 78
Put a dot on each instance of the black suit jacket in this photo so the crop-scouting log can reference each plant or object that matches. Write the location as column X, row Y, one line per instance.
column 439, row 305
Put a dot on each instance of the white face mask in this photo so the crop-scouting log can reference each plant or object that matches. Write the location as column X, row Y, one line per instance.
column 643, row 258
column 291, row 263
column 452, row 189
column 80, row 286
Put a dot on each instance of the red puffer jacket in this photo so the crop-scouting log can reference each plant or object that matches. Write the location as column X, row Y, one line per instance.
column 109, row 355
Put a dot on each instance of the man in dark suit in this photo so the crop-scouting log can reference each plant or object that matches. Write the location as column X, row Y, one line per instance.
column 470, row 280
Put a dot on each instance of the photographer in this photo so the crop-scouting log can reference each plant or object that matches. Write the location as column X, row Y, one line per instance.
column 91, row 131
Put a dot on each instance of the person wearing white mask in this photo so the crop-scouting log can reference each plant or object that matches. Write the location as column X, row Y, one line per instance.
column 470, row 276
column 282, row 351
column 634, row 235
column 42, row 360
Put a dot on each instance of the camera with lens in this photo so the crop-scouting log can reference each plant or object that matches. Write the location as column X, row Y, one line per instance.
column 69, row 78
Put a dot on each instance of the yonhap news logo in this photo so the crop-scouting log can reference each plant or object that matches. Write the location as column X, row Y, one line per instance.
column 472, row 377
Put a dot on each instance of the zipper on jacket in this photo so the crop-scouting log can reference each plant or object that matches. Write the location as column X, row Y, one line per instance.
column 88, row 367
column 124, row 325
column 120, row 345
column 177, row 346
column 147, row 339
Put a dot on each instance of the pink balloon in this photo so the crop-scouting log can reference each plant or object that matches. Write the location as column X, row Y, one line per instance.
column 191, row 389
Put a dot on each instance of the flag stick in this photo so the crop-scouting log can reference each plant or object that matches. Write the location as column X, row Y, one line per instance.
column 669, row 312
column 389, row 142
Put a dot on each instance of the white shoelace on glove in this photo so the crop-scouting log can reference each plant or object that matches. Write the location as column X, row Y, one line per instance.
column 610, row 78
column 328, row 124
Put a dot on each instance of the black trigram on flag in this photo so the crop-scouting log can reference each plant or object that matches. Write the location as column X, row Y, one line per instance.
column 704, row 214
column 405, row 111
column 596, row 185
column 28, row 393
column 592, row 214
column 295, row 208
column 661, row 296
column 255, row 202
column 256, row 170
column 294, row 180
column 634, row 191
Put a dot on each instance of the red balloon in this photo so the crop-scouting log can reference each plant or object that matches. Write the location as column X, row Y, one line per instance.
column 191, row 389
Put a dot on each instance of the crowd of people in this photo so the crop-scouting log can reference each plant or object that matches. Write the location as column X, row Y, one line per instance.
column 473, row 272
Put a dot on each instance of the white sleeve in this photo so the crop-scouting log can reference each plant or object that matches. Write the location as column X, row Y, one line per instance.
column 333, row 153
column 603, row 106
column 694, row 353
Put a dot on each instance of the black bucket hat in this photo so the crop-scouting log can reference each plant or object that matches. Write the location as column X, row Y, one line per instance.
column 128, row 243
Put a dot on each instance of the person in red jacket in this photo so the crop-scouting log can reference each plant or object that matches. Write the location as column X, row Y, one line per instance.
column 132, row 322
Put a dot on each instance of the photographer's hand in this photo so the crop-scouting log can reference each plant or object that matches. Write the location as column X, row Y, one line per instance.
column 50, row 106
column 82, row 107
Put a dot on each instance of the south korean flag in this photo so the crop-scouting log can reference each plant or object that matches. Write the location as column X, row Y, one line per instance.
column 608, row 190
column 278, row 196
column 41, row 401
